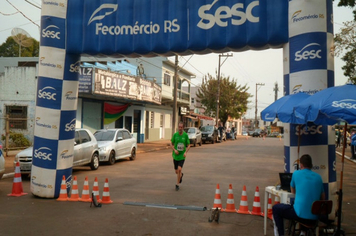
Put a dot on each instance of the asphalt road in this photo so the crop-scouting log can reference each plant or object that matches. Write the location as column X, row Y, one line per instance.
column 151, row 179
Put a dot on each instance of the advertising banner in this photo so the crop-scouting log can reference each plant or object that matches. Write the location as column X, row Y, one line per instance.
column 119, row 85
column 166, row 27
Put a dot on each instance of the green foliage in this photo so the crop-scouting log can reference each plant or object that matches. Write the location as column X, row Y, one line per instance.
column 17, row 140
column 11, row 49
column 233, row 98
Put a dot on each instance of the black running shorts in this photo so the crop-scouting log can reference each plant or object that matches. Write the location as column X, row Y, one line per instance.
column 178, row 163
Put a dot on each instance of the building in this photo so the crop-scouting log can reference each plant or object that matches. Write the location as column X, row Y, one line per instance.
column 146, row 105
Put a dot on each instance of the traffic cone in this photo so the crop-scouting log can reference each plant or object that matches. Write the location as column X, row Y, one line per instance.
column 63, row 196
column 96, row 190
column 243, row 203
column 230, row 205
column 256, row 209
column 74, row 196
column 106, row 194
column 85, row 193
column 269, row 207
column 276, row 200
column 17, row 189
column 217, row 199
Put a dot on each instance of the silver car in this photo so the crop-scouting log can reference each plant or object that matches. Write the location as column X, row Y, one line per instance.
column 86, row 151
column 194, row 135
column 2, row 162
column 115, row 144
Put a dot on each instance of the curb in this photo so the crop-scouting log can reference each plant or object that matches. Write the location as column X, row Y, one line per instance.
column 348, row 158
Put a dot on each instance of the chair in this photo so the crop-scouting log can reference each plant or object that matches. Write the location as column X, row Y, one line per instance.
column 322, row 208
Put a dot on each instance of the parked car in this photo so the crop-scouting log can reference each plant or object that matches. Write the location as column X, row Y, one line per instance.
column 256, row 133
column 86, row 152
column 244, row 133
column 115, row 144
column 250, row 133
column 194, row 135
column 2, row 162
column 209, row 134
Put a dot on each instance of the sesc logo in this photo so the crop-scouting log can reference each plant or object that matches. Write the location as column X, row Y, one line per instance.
column 75, row 67
column 48, row 93
column 70, row 126
column 54, row 33
column 297, row 88
column 308, row 130
column 43, row 153
column 108, row 9
column 310, row 51
column 267, row 117
column 238, row 14
column 346, row 103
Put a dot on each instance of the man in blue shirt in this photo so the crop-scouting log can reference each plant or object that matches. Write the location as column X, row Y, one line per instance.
column 307, row 187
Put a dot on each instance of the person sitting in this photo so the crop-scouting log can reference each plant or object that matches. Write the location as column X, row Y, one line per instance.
column 307, row 187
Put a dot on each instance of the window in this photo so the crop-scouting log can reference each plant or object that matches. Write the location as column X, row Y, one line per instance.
column 167, row 79
column 127, row 135
column 18, row 116
column 192, row 101
column 84, row 136
column 119, row 135
column 152, row 120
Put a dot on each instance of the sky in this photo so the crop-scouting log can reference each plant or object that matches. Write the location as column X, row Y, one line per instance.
column 249, row 67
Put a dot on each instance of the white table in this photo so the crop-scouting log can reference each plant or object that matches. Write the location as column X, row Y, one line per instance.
column 284, row 197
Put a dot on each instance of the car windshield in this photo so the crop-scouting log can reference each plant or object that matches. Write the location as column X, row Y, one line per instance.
column 189, row 130
column 207, row 128
column 104, row 135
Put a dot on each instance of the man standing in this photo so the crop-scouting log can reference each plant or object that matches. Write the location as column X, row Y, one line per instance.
column 180, row 145
column 353, row 144
column 307, row 187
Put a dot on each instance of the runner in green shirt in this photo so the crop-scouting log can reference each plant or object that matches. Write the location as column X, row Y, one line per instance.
column 180, row 145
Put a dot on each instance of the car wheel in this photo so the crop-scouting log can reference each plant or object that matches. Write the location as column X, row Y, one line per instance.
column 94, row 164
column 25, row 176
column 112, row 158
column 133, row 154
column 195, row 143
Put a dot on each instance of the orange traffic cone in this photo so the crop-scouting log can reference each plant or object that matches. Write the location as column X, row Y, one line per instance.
column 74, row 196
column 17, row 189
column 230, row 205
column 256, row 209
column 243, row 203
column 217, row 199
column 85, row 193
column 269, row 207
column 63, row 196
column 96, row 190
column 106, row 194
column 276, row 200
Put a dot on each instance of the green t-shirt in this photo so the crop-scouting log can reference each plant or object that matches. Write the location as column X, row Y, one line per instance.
column 180, row 143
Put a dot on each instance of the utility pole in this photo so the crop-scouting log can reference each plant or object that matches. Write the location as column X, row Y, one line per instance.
column 175, row 90
column 275, row 91
column 256, row 104
column 218, row 95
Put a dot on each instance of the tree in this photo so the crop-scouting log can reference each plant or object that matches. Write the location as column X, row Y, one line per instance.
column 346, row 40
column 11, row 49
column 233, row 97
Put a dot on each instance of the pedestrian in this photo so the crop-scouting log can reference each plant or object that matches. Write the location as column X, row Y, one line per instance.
column 307, row 187
column 338, row 138
column 353, row 144
column 180, row 145
column 233, row 132
column 221, row 130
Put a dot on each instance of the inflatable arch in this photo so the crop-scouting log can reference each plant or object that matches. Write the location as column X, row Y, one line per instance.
column 121, row 28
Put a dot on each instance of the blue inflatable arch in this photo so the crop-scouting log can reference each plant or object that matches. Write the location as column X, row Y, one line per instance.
column 135, row 28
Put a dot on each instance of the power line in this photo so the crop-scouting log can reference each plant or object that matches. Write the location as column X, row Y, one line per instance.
column 22, row 13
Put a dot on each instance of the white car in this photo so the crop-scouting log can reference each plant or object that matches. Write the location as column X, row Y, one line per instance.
column 2, row 162
column 85, row 152
column 194, row 135
column 115, row 144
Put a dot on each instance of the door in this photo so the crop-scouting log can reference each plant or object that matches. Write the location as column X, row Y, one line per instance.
column 137, row 125
column 92, row 113
column 147, row 125
column 161, row 126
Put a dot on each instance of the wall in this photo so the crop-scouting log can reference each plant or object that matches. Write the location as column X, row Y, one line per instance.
column 17, row 89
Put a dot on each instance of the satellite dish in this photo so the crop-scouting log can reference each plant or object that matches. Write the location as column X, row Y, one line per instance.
column 22, row 38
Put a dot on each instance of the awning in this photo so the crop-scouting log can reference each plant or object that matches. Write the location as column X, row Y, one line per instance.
column 204, row 117
column 191, row 117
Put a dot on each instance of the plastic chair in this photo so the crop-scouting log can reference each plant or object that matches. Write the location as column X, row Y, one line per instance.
column 322, row 208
